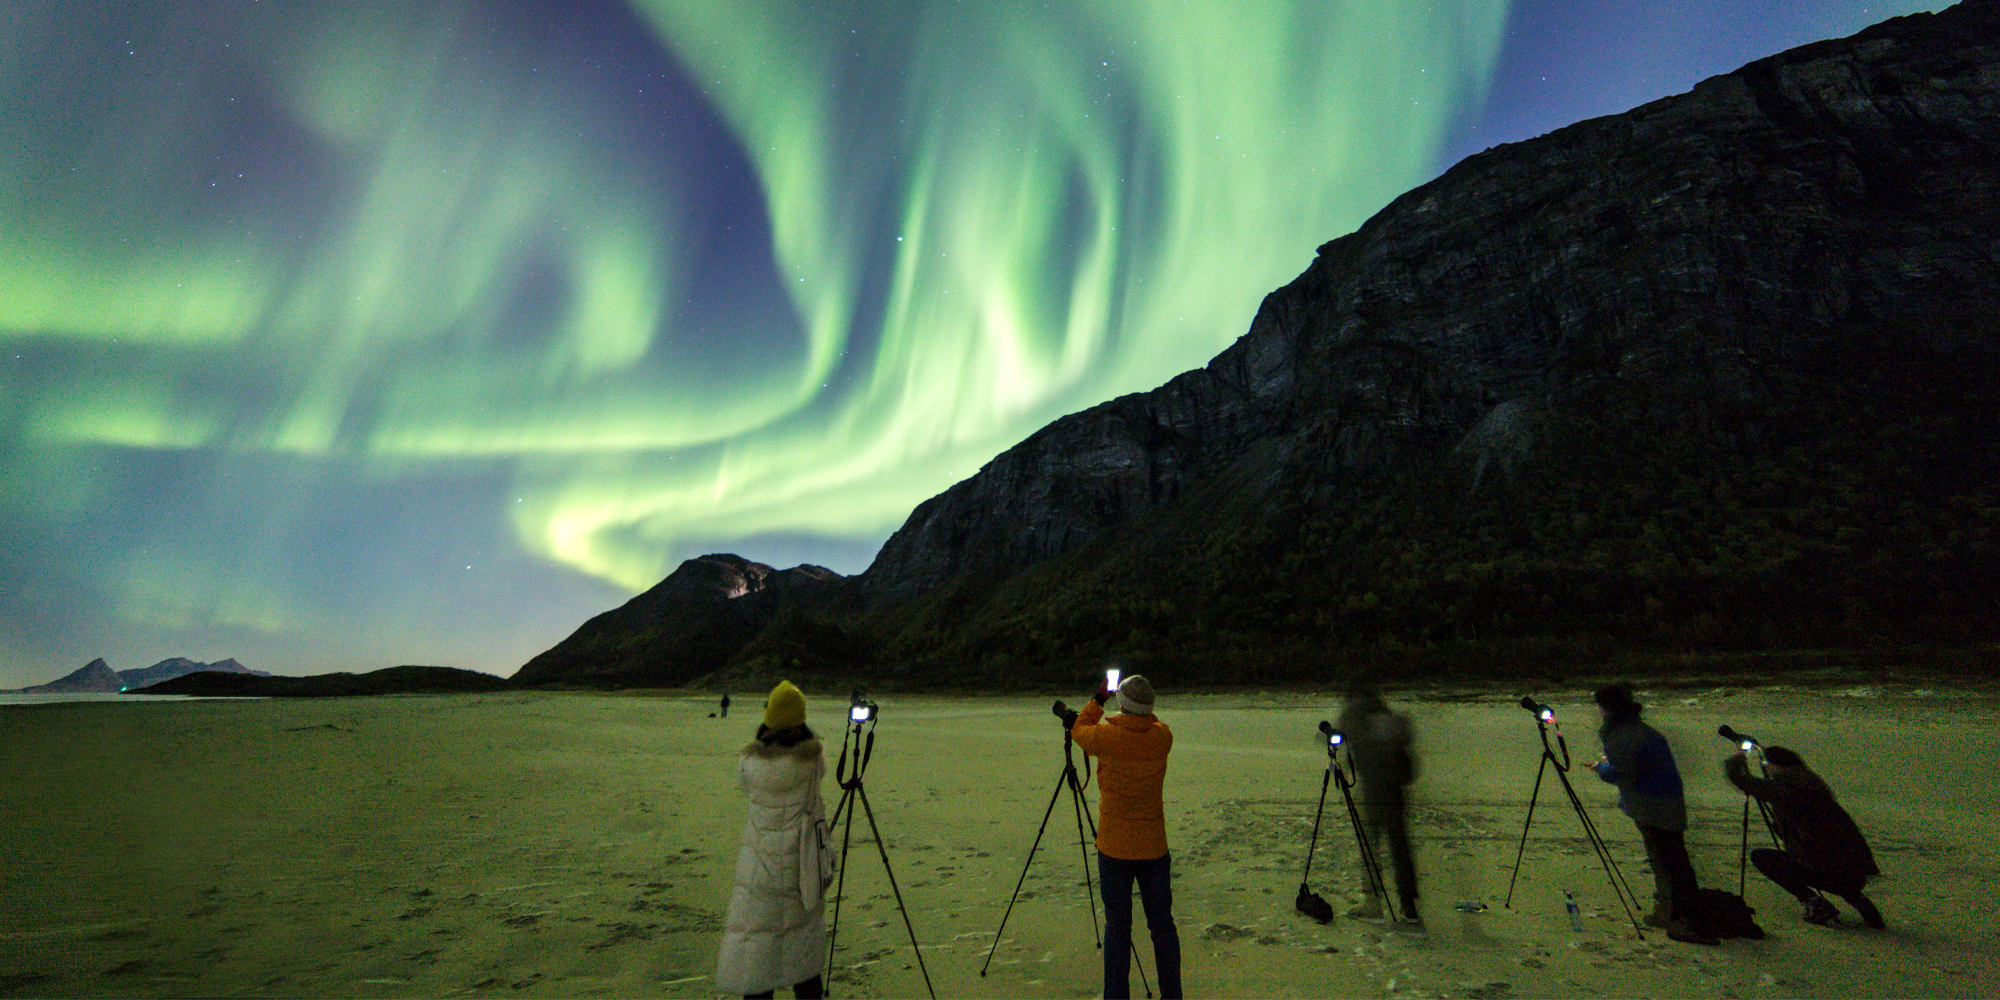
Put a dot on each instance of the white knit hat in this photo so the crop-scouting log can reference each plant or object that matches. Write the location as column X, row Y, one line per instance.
column 1135, row 696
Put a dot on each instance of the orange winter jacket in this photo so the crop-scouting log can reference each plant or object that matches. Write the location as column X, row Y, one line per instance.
column 1132, row 769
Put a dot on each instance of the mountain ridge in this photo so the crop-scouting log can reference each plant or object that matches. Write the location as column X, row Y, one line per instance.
column 97, row 676
column 1715, row 373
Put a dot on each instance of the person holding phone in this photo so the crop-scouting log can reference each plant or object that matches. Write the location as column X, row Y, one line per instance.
column 1132, row 748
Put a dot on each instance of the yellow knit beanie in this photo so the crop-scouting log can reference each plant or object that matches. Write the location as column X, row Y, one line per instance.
column 786, row 707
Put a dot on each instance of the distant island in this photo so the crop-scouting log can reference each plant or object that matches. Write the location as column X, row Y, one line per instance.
column 230, row 679
column 390, row 680
column 97, row 677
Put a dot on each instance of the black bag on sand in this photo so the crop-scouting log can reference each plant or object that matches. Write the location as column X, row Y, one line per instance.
column 1721, row 914
column 1310, row 904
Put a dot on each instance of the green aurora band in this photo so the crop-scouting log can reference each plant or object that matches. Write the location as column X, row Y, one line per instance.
column 982, row 216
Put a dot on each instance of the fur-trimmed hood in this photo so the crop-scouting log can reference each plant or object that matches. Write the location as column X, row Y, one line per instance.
column 769, row 769
column 806, row 749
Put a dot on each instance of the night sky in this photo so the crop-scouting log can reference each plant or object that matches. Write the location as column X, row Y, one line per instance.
column 338, row 335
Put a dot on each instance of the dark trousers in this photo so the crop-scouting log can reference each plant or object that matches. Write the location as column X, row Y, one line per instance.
column 1156, row 894
column 1387, row 816
column 811, row 989
column 1795, row 877
column 1674, row 880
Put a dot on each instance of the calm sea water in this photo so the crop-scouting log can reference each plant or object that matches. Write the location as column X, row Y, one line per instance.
column 123, row 699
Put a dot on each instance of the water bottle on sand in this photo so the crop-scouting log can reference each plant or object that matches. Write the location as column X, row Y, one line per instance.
column 1575, row 915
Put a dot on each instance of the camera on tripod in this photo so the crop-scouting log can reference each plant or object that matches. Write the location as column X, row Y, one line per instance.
column 1545, row 723
column 1065, row 713
column 1745, row 743
column 860, row 709
column 1542, row 711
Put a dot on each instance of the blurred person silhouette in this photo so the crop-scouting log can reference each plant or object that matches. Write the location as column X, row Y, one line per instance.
column 775, row 932
column 1131, row 748
column 1823, row 848
column 725, row 703
column 1638, row 760
column 1380, row 743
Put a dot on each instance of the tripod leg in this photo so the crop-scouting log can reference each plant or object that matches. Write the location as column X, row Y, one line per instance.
column 1619, row 886
column 1067, row 776
column 1083, row 846
column 1743, row 853
column 1318, row 811
column 1540, row 771
column 840, row 891
column 1371, row 867
column 883, row 849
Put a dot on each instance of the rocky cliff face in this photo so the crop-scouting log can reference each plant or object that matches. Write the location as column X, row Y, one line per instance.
column 686, row 626
column 1814, row 221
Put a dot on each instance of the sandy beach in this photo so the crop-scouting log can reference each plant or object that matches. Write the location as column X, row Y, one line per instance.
column 548, row 845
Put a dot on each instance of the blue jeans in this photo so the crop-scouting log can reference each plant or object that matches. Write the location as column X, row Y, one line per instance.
column 1156, row 894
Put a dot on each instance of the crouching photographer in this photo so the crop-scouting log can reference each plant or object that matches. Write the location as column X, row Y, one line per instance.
column 1131, row 748
column 1824, row 849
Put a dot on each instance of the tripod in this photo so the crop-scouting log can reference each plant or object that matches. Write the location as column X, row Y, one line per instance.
column 1370, row 864
column 863, row 714
column 1545, row 718
column 1750, row 746
column 1069, row 780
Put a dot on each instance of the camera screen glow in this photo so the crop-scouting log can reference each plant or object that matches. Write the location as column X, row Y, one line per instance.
column 1111, row 679
column 1548, row 715
column 1749, row 745
column 860, row 713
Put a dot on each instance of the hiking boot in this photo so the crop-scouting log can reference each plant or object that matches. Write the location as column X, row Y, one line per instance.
column 1679, row 930
column 1657, row 918
column 1821, row 912
column 1870, row 916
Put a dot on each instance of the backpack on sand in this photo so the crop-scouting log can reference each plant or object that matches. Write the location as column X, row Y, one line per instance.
column 1721, row 914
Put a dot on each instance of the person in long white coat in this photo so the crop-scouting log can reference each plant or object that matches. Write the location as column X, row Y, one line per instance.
column 775, row 934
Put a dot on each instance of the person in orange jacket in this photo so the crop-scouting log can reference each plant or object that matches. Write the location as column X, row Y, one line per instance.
column 1131, row 748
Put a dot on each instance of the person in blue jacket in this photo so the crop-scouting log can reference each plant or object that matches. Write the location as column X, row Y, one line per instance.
column 1638, row 760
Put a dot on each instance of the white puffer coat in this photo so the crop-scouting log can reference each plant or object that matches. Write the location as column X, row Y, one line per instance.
column 775, row 935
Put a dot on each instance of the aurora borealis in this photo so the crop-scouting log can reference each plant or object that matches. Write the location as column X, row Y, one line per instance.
column 341, row 334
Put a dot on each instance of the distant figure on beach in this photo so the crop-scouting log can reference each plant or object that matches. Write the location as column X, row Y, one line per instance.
column 725, row 704
column 1131, row 748
column 1380, row 742
column 775, row 933
column 1638, row 760
column 1823, row 848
